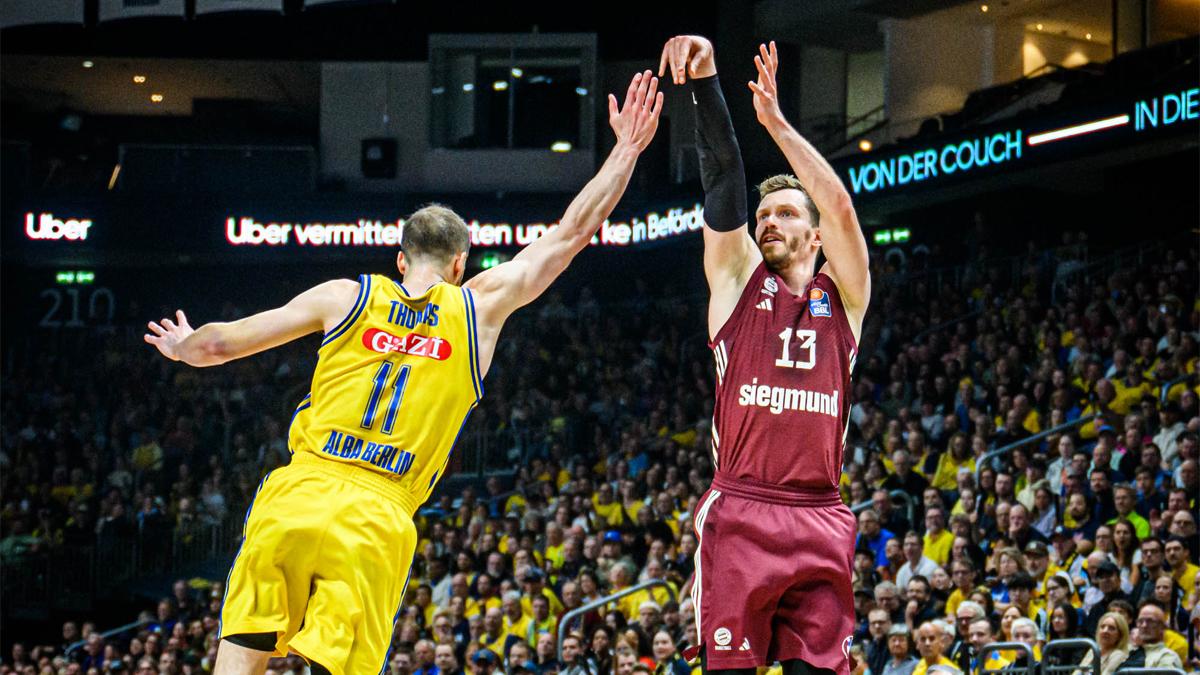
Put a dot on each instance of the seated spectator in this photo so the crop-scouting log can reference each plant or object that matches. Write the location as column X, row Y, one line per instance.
column 915, row 561
column 872, row 535
column 1020, row 590
column 921, row 606
column 1183, row 571
column 666, row 657
column 931, row 644
column 899, row 649
column 979, row 636
column 967, row 613
column 937, row 541
column 1025, row 631
column 485, row 662
column 445, row 661
column 875, row 645
column 1150, row 651
column 574, row 660
column 1125, row 503
column 1107, row 580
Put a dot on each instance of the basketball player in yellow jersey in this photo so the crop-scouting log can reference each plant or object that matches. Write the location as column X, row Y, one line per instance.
column 329, row 538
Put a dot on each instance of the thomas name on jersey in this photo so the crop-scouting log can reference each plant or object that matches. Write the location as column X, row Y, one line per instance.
column 387, row 457
column 403, row 315
column 778, row 399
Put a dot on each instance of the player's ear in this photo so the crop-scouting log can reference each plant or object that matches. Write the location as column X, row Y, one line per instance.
column 401, row 263
column 460, row 267
column 816, row 237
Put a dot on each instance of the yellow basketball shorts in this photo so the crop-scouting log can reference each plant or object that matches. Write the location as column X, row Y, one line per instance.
column 324, row 564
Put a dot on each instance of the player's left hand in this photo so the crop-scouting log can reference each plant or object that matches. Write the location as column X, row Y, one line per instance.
column 766, row 93
column 636, row 121
column 167, row 334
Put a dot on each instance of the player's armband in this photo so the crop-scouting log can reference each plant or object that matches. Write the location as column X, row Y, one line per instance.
column 721, row 169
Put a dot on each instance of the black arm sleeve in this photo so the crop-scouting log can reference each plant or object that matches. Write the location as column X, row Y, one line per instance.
column 721, row 171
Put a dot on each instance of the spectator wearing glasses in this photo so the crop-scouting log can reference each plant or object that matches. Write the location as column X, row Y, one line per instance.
column 899, row 647
column 877, row 648
column 1151, row 652
column 960, row 651
column 962, row 573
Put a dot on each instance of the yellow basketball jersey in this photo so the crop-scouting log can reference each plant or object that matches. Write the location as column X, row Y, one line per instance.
column 394, row 383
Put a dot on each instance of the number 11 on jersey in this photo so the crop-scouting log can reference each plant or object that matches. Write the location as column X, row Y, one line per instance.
column 380, row 381
column 808, row 341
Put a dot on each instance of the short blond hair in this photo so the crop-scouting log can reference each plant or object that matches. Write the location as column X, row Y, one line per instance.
column 435, row 233
column 786, row 181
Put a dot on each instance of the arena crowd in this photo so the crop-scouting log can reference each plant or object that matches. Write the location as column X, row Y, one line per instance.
column 605, row 409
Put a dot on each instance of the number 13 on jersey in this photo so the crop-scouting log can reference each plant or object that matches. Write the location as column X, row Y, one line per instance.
column 808, row 343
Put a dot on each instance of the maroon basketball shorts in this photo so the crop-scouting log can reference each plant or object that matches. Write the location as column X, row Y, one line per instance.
column 773, row 576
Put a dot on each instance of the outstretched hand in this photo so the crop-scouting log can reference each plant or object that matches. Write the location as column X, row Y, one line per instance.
column 687, row 56
column 637, row 119
column 167, row 334
column 766, row 93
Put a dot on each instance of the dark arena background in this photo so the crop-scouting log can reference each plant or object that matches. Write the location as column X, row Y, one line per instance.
column 1026, row 176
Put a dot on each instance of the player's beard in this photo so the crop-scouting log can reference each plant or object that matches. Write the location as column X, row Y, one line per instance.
column 779, row 258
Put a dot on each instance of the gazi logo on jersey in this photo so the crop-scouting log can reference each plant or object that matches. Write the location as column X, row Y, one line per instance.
column 818, row 303
column 384, row 342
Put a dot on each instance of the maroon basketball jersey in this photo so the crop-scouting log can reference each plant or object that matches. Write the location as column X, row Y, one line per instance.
column 783, row 378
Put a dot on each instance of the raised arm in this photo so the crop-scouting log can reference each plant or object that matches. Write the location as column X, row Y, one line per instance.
column 319, row 308
column 730, row 254
column 503, row 289
column 841, row 237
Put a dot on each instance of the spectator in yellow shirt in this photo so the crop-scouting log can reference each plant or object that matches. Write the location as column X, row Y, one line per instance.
column 533, row 582
column 494, row 636
column 937, row 539
column 542, row 621
column 931, row 644
column 962, row 573
column 957, row 458
column 1182, row 570
column 516, row 621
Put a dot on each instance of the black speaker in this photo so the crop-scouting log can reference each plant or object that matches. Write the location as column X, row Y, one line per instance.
column 379, row 158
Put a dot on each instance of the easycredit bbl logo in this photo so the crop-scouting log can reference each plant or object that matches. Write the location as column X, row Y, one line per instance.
column 46, row 226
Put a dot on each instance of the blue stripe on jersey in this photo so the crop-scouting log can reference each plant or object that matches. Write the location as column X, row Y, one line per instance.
column 360, row 303
column 472, row 344
column 434, row 477
column 396, row 618
column 474, row 332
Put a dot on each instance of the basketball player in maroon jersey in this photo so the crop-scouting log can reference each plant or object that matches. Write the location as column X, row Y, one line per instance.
column 772, row 577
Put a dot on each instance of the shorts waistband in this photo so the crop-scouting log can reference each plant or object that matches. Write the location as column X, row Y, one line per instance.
column 776, row 494
column 364, row 478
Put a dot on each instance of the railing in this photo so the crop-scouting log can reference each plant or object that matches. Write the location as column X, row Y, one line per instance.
column 1150, row 671
column 1054, row 646
column 74, row 576
column 600, row 602
column 840, row 131
column 1128, row 257
column 944, row 325
column 1014, row 265
column 76, row 646
column 989, row 456
column 1030, row 668
column 901, row 494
